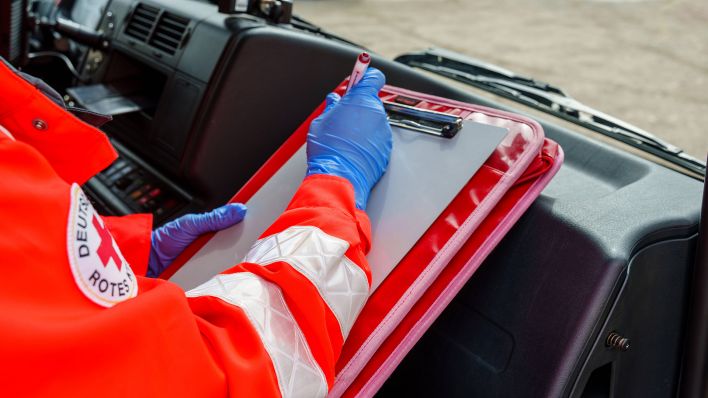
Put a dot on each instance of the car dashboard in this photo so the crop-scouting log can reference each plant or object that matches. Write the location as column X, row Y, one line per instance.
column 609, row 246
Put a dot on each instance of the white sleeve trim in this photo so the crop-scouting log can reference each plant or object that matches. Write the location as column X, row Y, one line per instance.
column 320, row 257
column 4, row 131
column 298, row 373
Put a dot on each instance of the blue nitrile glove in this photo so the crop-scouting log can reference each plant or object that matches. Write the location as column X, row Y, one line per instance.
column 352, row 137
column 169, row 240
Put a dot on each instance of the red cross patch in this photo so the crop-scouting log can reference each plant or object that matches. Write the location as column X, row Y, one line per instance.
column 101, row 272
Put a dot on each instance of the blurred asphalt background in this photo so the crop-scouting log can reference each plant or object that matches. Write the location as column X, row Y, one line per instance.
column 644, row 61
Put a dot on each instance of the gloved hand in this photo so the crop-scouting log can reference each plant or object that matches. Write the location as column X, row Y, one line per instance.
column 352, row 137
column 169, row 240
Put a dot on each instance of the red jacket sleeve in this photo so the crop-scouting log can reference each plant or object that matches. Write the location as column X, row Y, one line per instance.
column 297, row 293
column 271, row 326
column 132, row 234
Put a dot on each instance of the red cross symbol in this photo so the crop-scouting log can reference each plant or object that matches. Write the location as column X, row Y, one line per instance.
column 106, row 251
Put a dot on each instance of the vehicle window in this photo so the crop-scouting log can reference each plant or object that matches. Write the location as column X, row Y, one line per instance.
column 643, row 61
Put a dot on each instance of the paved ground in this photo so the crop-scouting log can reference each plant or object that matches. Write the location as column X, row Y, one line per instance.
column 643, row 61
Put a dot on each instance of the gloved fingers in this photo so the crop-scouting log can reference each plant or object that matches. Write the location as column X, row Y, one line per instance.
column 330, row 101
column 370, row 84
column 168, row 241
column 215, row 220
column 224, row 217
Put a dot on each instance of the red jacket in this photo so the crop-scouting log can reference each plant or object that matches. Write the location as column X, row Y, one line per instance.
column 79, row 319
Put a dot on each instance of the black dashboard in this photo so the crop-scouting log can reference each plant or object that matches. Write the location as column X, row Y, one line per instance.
column 211, row 96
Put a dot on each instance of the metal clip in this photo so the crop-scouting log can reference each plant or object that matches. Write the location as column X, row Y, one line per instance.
column 422, row 120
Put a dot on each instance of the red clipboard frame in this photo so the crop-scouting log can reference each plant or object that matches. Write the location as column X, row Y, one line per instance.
column 494, row 198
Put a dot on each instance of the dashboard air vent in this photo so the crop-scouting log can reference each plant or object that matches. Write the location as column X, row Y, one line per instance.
column 169, row 33
column 142, row 22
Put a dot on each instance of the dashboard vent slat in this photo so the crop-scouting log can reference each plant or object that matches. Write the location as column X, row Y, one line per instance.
column 142, row 22
column 169, row 33
column 160, row 37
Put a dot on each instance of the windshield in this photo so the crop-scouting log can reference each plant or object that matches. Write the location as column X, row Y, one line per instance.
column 643, row 61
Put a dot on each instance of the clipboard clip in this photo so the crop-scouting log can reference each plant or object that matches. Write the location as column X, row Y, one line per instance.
column 421, row 120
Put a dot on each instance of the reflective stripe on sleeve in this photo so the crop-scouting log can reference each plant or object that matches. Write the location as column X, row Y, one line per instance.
column 321, row 259
column 263, row 303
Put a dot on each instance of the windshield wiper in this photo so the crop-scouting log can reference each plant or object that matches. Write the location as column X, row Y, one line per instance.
column 546, row 98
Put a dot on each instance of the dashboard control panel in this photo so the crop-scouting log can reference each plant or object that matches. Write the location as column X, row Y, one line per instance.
column 131, row 186
column 138, row 189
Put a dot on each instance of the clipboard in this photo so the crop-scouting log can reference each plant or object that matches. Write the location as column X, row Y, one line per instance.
column 415, row 291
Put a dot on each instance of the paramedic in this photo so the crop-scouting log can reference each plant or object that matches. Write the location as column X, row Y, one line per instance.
column 79, row 319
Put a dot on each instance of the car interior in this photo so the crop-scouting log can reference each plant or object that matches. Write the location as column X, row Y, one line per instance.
column 589, row 295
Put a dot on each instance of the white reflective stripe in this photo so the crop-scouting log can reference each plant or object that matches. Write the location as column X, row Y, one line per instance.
column 320, row 258
column 297, row 371
column 4, row 131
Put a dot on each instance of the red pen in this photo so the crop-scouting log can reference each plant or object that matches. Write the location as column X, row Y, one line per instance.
column 362, row 63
